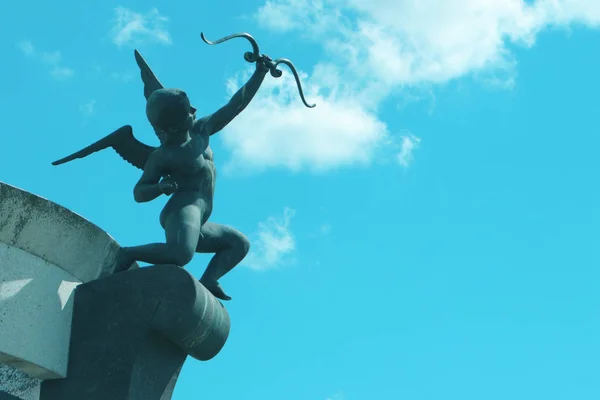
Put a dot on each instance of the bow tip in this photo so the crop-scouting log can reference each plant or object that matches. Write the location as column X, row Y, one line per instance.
column 204, row 39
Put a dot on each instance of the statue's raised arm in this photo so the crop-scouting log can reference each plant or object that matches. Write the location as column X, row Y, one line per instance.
column 256, row 56
column 215, row 122
column 240, row 100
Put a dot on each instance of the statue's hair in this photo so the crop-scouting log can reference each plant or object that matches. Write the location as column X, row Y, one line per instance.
column 168, row 109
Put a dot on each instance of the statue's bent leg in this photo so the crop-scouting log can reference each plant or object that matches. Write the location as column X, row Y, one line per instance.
column 182, row 230
column 230, row 247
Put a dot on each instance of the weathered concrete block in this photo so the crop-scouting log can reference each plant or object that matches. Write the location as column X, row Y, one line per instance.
column 55, row 234
column 45, row 252
column 35, row 313
column 17, row 385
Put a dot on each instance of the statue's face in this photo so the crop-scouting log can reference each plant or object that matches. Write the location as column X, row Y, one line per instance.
column 168, row 109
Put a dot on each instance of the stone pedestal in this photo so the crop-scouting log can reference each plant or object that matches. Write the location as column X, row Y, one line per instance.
column 70, row 329
column 17, row 385
column 45, row 252
column 132, row 332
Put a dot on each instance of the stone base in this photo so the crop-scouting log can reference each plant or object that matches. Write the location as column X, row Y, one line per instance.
column 17, row 385
column 46, row 250
column 132, row 331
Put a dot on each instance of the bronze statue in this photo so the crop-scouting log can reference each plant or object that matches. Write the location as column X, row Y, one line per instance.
column 182, row 167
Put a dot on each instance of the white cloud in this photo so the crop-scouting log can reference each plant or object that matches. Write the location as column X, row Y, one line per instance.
column 424, row 41
column 52, row 59
column 409, row 144
column 284, row 16
column 374, row 49
column 340, row 131
column 26, row 47
column 60, row 73
column 272, row 243
column 337, row 396
column 132, row 27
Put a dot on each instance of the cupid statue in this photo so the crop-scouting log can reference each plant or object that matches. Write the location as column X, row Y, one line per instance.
column 182, row 167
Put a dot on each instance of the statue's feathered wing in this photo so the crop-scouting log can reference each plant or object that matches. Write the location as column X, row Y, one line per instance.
column 151, row 82
column 123, row 142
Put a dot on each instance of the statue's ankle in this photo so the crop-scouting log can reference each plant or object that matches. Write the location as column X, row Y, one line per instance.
column 208, row 280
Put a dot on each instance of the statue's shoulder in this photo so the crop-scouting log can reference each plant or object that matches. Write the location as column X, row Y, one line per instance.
column 159, row 156
column 199, row 126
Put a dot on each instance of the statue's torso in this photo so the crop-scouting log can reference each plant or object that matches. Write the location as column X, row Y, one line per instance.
column 191, row 166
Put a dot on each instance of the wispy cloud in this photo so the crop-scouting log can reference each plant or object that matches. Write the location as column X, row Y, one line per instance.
column 57, row 70
column 87, row 108
column 337, row 396
column 26, row 47
column 374, row 50
column 52, row 59
column 122, row 76
column 272, row 243
column 132, row 28
column 409, row 144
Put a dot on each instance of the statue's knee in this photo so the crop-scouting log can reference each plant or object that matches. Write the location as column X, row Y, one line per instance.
column 182, row 255
column 244, row 244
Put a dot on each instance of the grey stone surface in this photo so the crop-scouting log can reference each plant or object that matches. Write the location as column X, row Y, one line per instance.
column 132, row 332
column 55, row 234
column 18, row 384
column 36, row 303
column 45, row 252
column 6, row 396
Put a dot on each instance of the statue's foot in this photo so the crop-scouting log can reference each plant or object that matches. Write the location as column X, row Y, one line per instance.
column 124, row 262
column 215, row 288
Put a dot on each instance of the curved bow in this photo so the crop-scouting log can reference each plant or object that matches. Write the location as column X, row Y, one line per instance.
column 255, row 55
column 248, row 56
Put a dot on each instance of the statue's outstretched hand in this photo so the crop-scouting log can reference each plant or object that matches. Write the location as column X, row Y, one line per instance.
column 261, row 63
column 168, row 185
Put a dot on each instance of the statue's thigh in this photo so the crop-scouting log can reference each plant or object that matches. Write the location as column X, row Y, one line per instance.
column 183, row 226
column 216, row 237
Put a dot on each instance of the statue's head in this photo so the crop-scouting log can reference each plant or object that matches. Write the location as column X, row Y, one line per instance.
column 169, row 110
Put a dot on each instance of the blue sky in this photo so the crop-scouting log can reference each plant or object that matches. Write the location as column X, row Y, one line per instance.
column 429, row 231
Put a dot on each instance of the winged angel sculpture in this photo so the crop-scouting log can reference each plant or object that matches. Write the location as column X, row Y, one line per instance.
column 182, row 167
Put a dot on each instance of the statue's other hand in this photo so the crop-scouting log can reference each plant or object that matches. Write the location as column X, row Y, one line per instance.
column 168, row 185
